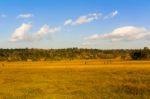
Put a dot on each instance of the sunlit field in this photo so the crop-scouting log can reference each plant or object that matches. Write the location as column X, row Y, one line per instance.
column 92, row 79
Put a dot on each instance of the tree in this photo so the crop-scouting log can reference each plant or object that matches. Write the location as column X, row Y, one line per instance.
column 139, row 55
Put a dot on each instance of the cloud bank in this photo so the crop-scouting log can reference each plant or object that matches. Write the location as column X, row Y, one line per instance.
column 22, row 33
column 126, row 33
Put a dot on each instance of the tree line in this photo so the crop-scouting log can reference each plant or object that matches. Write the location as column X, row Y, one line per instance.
column 72, row 54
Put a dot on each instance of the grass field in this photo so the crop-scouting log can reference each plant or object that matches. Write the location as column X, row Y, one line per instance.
column 93, row 79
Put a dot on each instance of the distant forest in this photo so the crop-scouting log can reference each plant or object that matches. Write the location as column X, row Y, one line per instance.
column 72, row 54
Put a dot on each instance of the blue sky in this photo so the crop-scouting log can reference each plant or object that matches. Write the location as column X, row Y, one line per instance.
column 104, row 24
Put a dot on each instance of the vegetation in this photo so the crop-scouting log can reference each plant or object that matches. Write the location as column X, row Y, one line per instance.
column 141, row 54
column 40, row 80
column 71, row 54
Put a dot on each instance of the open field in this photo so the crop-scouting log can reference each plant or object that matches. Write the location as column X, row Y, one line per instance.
column 93, row 79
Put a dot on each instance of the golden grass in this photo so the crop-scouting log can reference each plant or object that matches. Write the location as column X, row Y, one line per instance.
column 75, row 80
column 75, row 64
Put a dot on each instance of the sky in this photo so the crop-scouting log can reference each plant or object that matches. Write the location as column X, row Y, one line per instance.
column 103, row 24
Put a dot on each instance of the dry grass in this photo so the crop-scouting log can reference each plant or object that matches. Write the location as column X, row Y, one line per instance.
column 63, row 80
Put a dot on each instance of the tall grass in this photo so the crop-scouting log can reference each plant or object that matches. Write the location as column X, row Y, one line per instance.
column 107, row 82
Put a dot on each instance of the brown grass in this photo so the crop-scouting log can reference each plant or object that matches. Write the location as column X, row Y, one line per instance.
column 75, row 80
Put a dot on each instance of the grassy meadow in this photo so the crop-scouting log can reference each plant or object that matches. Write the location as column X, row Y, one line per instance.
column 84, row 79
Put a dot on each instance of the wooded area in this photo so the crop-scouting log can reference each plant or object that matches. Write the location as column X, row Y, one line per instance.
column 72, row 53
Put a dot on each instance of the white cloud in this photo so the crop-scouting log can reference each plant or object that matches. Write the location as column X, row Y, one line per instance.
column 83, row 19
column 90, row 18
column 68, row 22
column 114, row 13
column 3, row 15
column 25, row 16
column 93, row 37
column 20, row 33
column 86, row 43
column 123, row 34
column 46, row 30
column 111, row 15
